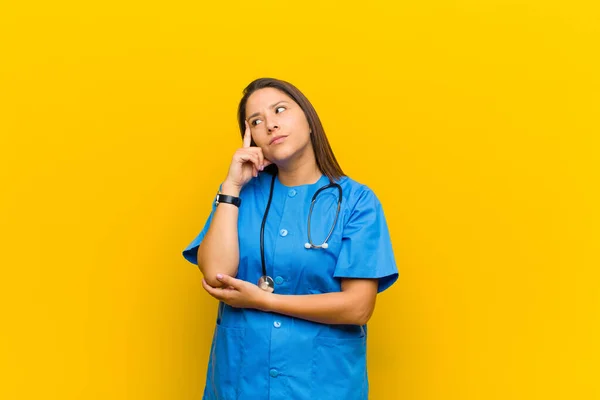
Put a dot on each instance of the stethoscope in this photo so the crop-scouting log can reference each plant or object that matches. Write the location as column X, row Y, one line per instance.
column 265, row 282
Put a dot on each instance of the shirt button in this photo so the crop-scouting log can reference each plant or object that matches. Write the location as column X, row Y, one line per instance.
column 283, row 232
column 274, row 373
column 292, row 193
column 279, row 280
column 276, row 324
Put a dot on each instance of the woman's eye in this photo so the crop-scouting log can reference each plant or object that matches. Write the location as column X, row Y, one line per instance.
column 255, row 122
column 279, row 108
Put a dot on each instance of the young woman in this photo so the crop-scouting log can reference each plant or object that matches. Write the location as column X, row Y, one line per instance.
column 296, row 252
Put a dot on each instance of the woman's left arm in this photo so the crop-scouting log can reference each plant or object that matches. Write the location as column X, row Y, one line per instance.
column 354, row 305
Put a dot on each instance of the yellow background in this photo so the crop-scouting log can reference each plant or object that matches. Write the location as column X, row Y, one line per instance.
column 475, row 122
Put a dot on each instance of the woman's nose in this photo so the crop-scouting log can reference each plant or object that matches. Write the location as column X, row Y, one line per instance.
column 272, row 125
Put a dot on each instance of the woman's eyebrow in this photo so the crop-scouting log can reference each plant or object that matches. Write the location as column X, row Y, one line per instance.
column 272, row 105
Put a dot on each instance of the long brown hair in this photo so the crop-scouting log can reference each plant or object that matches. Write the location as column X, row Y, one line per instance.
column 324, row 156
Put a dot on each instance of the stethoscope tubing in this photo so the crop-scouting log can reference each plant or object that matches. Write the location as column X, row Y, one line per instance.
column 312, row 204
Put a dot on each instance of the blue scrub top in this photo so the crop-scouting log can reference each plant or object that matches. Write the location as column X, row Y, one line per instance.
column 258, row 355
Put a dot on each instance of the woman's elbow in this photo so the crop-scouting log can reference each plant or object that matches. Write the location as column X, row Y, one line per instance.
column 362, row 315
column 213, row 281
column 363, row 319
column 210, row 278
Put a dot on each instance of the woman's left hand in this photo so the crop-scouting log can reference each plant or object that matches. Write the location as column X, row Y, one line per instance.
column 238, row 293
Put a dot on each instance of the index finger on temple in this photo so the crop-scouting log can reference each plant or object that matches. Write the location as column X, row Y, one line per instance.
column 247, row 136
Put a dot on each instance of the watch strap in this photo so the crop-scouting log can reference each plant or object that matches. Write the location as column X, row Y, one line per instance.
column 225, row 198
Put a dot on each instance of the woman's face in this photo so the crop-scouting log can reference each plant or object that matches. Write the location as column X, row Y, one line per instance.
column 278, row 125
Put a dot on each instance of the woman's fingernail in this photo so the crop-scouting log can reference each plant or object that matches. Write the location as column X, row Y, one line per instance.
column 262, row 167
column 219, row 276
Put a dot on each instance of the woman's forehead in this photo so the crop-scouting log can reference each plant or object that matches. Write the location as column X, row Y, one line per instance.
column 265, row 97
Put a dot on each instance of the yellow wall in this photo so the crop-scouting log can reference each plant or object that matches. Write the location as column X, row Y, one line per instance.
column 475, row 122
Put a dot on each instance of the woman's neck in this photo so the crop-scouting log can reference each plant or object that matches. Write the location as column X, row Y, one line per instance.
column 302, row 172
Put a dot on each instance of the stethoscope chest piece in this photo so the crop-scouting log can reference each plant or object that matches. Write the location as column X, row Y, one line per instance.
column 266, row 283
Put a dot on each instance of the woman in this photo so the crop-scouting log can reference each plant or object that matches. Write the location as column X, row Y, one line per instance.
column 296, row 279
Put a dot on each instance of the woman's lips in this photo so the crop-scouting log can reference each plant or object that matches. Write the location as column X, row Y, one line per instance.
column 277, row 139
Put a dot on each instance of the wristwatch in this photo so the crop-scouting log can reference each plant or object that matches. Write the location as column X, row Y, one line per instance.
column 225, row 198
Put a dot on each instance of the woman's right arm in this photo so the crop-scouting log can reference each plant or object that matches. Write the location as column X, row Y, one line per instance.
column 219, row 251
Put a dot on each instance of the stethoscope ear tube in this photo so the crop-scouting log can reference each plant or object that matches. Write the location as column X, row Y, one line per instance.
column 324, row 245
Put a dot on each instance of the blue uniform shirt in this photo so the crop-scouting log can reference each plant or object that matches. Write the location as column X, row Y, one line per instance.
column 258, row 355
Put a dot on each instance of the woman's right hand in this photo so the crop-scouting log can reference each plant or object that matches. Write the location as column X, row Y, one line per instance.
column 246, row 164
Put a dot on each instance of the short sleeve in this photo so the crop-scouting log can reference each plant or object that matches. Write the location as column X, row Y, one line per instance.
column 366, row 250
column 191, row 251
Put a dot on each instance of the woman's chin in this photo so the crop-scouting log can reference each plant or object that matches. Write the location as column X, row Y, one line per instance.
column 281, row 158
